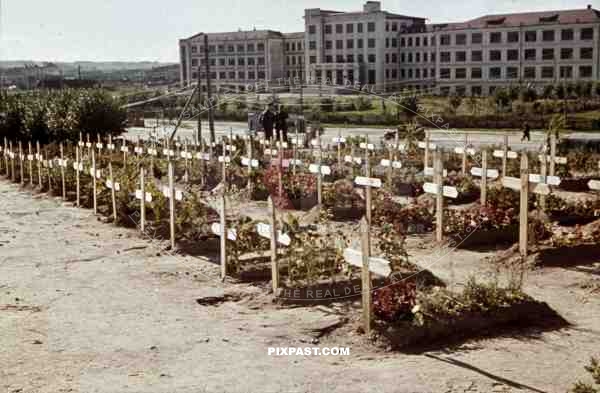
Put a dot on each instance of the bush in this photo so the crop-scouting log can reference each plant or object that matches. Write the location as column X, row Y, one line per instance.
column 362, row 103
column 594, row 370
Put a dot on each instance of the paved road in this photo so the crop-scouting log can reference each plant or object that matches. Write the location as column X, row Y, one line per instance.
column 444, row 138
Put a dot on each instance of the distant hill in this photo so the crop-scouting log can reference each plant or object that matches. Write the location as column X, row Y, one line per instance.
column 102, row 66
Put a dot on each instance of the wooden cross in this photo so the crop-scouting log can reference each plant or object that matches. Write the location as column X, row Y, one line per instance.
column 484, row 173
column 437, row 188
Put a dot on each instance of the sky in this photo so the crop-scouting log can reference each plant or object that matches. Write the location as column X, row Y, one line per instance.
column 149, row 30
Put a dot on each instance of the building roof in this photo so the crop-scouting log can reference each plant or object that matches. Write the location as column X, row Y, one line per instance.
column 254, row 34
column 586, row 15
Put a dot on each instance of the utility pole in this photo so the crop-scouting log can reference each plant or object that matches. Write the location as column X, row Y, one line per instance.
column 211, row 119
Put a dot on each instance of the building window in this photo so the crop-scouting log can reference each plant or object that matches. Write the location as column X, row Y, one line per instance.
column 293, row 60
column 260, row 47
column 445, row 57
column 418, row 73
column 512, row 36
column 566, row 53
column 531, row 36
column 221, row 48
column 222, row 75
column 251, row 61
column 444, row 73
column 424, row 41
column 402, row 58
column 251, row 75
column 261, row 61
column 587, row 33
column 241, row 61
column 410, row 57
column 476, row 55
column 371, row 27
column 328, row 44
column 402, row 42
column 512, row 72
column 194, row 62
column 410, row 41
column 495, row 38
column 221, row 62
column 512, row 54
column 418, row 57
column 312, row 59
column 495, row 73
column 359, row 27
column 548, row 54
column 530, row 54
column 194, row 49
column 548, row 35
column 339, row 28
column 475, row 90
column 213, row 62
column 586, row 53
column 461, row 39
column 350, row 58
column 328, row 59
column 359, row 43
column 495, row 55
column 312, row 45
column 475, row 73
column 339, row 44
column 547, row 72
column 460, row 56
column 327, row 29
column 371, row 43
column 394, row 73
column 287, row 46
column 461, row 90
column 230, row 48
column 371, row 58
column 231, row 75
column 394, row 42
column 566, row 35
column 250, row 47
column 261, row 75
column 418, row 41
column 339, row 58
column 460, row 73
column 566, row 72
column 425, row 57
column 349, row 28
column 394, row 28
column 424, row 72
column 231, row 61
column 402, row 74
column 241, row 75
column 312, row 29
column 529, row 73
column 349, row 44
column 585, row 71
column 445, row 39
column 394, row 58
column 476, row 38
column 387, row 42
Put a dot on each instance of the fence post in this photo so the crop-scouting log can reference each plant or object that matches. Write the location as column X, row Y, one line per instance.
column 62, row 172
column 94, row 179
column 552, row 153
column 504, row 155
column 319, row 174
column 21, row 163
column 464, row 155
column 367, row 174
column 143, row 199
column 426, row 156
column 274, row 264
column 543, row 176
column 76, row 175
column 483, row 177
column 171, row 203
column 524, row 206
column 39, row 164
column 112, row 192
column 223, row 237
column 366, row 275
column 439, row 201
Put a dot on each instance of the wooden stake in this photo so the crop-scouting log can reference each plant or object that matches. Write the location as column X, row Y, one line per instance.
column 94, row 180
column 171, row 203
column 142, row 200
column 77, row 174
column 426, row 156
column 552, row 153
column 366, row 274
column 274, row 264
column 112, row 192
column 49, row 173
column 223, row 237
column 504, row 155
column 280, row 164
column 29, row 152
column 39, row 163
column 339, row 152
column 524, row 206
column 439, row 201
column 249, row 149
column 295, row 152
column 22, row 179
column 319, row 174
column 5, row 156
column 464, row 155
column 543, row 175
column 483, row 200
column 367, row 174
column 62, row 172
column 12, row 163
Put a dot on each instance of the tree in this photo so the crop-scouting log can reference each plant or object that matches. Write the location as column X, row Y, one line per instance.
column 410, row 105
column 560, row 91
column 548, row 91
column 528, row 94
column 501, row 98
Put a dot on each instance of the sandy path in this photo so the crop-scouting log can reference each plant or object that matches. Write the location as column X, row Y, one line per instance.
column 99, row 311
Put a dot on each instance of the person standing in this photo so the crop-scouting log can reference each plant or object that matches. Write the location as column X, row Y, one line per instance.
column 526, row 133
column 281, row 123
column 267, row 120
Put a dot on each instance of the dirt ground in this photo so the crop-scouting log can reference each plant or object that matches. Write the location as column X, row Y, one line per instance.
column 88, row 307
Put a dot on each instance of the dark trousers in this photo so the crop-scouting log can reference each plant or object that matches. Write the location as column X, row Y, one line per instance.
column 284, row 131
column 268, row 133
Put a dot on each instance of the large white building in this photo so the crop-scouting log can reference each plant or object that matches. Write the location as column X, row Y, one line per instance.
column 390, row 52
